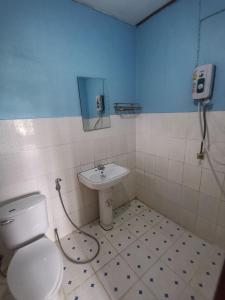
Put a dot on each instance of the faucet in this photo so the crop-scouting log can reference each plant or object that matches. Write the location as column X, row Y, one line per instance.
column 101, row 167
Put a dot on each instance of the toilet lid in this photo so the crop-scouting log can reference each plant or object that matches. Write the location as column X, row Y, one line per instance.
column 35, row 270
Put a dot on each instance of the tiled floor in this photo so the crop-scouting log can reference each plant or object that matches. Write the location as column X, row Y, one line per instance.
column 145, row 256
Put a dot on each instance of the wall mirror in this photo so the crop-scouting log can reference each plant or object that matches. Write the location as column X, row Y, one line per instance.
column 94, row 103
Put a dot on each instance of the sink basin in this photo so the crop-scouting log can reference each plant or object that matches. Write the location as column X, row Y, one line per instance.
column 97, row 179
column 102, row 179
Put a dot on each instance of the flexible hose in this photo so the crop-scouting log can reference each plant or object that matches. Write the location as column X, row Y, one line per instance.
column 2, row 274
column 203, row 134
column 58, row 188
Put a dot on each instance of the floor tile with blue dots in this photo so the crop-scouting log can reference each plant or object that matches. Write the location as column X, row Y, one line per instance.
column 144, row 257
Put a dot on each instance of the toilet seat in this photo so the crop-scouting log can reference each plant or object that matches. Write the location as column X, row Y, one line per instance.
column 35, row 271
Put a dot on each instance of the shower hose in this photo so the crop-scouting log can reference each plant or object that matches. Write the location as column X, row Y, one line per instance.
column 58, row 188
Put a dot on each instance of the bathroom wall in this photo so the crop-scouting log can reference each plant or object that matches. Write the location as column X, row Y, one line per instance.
column 36, row 151
column 44, row 46
column 169, row 177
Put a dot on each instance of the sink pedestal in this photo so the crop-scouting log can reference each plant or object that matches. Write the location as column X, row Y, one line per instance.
column 102, row 179
column 105, row 208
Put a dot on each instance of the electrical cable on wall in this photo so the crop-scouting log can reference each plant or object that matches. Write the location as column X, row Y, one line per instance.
column 203, row 130
column 202, row 89
column 98, row 120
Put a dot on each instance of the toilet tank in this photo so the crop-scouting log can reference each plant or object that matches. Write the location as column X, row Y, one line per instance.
column 22, row 220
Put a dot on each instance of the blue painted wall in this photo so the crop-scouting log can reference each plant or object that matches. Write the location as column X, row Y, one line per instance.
column 167, row 47
column 212, row 49
column 45, row 45
column 209, row 7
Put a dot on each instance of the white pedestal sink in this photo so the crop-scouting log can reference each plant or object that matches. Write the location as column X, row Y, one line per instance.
column 102, row 179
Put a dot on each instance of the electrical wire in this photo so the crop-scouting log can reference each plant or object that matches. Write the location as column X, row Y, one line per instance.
column 58, row 188
column 206, row 148
column 98, row 120
column 203, row 131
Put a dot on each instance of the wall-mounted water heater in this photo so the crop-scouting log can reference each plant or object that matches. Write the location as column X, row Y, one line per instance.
column 203, row 79
column 100, row 103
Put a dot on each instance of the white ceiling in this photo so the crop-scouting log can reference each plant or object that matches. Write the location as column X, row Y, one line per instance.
column 129, row 11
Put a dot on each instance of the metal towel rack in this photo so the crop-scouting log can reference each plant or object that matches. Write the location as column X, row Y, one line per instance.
column 133, row 108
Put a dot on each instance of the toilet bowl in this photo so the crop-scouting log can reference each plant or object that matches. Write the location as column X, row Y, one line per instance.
column 36, row 269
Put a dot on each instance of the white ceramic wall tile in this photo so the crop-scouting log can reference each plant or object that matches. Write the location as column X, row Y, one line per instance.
column 208, row 207
column 140, row 160
column 159, row 125
column 174, row 192
column 216, row 126
column 209, row 184
column 216, row 157
column 190, row 199
column 187, row 219
column 177, row 137
column 205, row 228
column 162, row 165
column 193, row 131
column 36, row 151
column 179, row 123
column 176, row 149
column 149, row 163
column 192, row 148
column 152, row 144
column 161, row 150
column 161, row 187
column 220, row 237
column 221, row 218
column 192, row 176
column 175, row 171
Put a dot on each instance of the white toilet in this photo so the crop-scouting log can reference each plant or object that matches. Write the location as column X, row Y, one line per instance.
column 36, row 269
